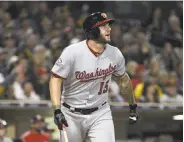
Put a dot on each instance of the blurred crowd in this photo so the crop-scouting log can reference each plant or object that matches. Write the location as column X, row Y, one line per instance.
column 33, row 36
column 39, row 130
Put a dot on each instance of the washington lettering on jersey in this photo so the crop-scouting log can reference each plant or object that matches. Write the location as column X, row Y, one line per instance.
column 83, row 76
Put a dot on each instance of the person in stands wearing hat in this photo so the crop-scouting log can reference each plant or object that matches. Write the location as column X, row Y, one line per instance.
column 3, row 126
column 36, row 132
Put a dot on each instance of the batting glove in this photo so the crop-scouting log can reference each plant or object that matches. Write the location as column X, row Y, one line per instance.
column 133, row 115
column 59, row 119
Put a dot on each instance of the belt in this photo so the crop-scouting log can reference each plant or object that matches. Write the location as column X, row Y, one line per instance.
column 82, row 111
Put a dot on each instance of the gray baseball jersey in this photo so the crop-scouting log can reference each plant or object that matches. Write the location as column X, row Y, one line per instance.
column 87, row 77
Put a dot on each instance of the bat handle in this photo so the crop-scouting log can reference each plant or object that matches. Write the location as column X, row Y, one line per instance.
column 64, row 133
column 63, row 126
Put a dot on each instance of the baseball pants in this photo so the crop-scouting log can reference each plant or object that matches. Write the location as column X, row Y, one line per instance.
column 95, row 127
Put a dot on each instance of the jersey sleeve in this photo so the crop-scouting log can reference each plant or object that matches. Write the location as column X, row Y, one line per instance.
column 120, row 68
column 63, row 64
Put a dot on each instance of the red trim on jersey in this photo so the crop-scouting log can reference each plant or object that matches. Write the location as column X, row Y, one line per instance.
column 94, row 53
column 54, row 74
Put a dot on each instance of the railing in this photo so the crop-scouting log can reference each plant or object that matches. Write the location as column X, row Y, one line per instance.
column 47, row 104
column 24, row 104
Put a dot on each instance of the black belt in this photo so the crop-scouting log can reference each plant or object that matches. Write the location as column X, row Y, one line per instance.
column 82, row 111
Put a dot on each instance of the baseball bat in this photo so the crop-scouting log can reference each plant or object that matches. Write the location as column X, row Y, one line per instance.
column 64, row 133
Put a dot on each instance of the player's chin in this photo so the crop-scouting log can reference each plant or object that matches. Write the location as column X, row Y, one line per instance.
column 105, row 39
column 108, row 40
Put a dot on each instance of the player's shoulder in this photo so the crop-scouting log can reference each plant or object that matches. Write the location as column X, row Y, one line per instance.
column 112, row 49
column 73, row 48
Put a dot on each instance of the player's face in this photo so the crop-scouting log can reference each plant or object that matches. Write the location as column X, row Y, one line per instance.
column 105, row 30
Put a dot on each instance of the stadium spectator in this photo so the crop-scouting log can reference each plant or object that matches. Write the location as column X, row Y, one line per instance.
column 153, row 69
column 132, row 70
column 3, row 126
column 25, row 92
column 43, row 83
column 8, row 77
column 156, row 22
column 163, row 79
column 174, row 31
column 36, row 132
column 148, row 91
column 168, row 57
column 171, row 95
column 179, row 72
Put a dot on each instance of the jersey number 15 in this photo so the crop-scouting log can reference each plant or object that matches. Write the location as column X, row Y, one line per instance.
column 103, row 87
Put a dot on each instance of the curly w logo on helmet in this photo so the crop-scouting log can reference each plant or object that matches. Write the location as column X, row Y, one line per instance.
column 104, row 15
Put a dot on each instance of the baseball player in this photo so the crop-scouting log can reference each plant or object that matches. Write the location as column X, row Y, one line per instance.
column 84, row 71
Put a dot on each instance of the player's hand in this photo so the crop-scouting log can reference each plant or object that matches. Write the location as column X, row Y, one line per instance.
column 59, row 119
column 133, row 115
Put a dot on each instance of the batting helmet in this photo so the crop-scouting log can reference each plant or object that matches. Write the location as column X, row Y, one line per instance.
column 3, row 123
column 92, row 22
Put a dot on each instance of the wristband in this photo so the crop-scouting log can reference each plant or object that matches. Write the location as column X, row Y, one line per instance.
column 56, row 107
column 133, row 106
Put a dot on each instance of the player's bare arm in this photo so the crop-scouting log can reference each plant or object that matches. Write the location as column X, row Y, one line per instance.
column 55, row 94
column 126, row 88
column 55, row 90
column 126, row 91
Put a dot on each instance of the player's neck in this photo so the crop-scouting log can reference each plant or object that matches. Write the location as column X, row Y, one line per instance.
column 96, row 46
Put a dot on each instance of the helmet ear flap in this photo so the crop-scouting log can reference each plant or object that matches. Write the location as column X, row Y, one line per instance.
column 93, row 33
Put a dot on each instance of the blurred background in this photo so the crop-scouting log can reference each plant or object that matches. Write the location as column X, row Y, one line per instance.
column 150, row 36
